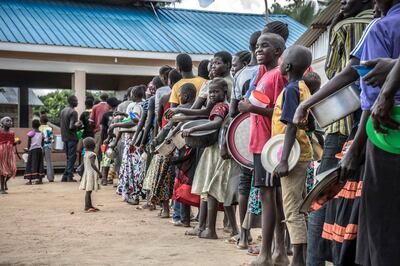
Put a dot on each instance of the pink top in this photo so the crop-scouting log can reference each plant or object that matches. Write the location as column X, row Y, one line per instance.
column 36, row 139
column 271, row 84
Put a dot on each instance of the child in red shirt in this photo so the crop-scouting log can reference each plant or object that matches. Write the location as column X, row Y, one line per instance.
column 268, row 50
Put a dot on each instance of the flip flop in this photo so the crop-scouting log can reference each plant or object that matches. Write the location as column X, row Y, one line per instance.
column 232, row 240
column 253, row 251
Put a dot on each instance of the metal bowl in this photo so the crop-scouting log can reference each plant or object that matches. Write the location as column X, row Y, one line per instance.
column 186, row 118
column 200, row 139
column 337, row 106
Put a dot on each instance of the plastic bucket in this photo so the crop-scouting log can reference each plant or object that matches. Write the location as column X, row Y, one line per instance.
column 58, row 143
column 259, row 99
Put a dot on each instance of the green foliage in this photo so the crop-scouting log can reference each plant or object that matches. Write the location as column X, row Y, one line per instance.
column 53, row 103
column 303, row 11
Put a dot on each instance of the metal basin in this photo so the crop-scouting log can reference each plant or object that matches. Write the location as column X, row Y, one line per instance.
column 200, row 139
column 337, row 106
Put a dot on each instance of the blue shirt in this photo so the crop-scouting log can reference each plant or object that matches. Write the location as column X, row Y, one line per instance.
column 357, row 51
column 290, row 101
column 382, row 41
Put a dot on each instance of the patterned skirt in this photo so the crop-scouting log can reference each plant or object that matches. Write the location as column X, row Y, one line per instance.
column 131, row 173
column 34, row 167
column 152, row 172
column 163, row 184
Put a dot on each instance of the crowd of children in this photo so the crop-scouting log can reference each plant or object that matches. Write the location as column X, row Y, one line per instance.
column 142, row 149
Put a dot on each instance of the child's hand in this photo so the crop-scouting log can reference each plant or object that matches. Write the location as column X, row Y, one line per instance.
column 282, row 169
column 171, row 112
column 186, row 132
column 78, row 124
column 244, row 106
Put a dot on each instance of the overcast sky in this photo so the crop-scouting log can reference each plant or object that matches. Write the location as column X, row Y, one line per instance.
column 242, row 6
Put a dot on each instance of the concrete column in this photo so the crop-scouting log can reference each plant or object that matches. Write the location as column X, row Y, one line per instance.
column 23, row 107
column 79, row 89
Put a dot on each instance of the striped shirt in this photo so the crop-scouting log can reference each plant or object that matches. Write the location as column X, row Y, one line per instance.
column 344, row 37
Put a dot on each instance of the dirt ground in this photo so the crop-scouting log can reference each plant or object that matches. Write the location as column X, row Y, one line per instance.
column 46, row 225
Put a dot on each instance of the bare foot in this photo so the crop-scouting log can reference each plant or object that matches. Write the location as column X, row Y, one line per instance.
column 242, row 244
column 280, row 259
column 194, row 232
column 262, row 260
column 208, row 234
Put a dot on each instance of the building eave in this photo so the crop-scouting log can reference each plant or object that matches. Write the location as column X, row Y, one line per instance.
column 68, row 50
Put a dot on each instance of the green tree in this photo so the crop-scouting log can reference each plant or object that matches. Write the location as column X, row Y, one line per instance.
column 303, row 11
column 53, row 103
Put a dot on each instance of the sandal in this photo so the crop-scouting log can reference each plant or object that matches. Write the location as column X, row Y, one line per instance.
column 233, row 240
column 253, row 251
column 133, row 202
column 165, row 215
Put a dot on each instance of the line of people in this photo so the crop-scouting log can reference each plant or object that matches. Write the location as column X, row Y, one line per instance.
column 140, row 142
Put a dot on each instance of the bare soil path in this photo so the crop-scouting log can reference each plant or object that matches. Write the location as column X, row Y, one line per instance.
column 46, row 225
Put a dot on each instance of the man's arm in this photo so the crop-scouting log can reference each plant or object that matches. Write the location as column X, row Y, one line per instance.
column 73, row 120
column 344, row 78
column 385, row 102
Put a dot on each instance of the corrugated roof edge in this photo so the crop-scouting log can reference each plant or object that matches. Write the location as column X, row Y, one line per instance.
column 232, row 13
column 324, row 19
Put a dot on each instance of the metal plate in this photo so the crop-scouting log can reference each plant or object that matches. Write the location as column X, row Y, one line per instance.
column 272, row 153
column 198, row 123
column 238, row 140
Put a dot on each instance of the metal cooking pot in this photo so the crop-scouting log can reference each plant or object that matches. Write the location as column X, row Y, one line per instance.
column 200, row 139
column 337, row 106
